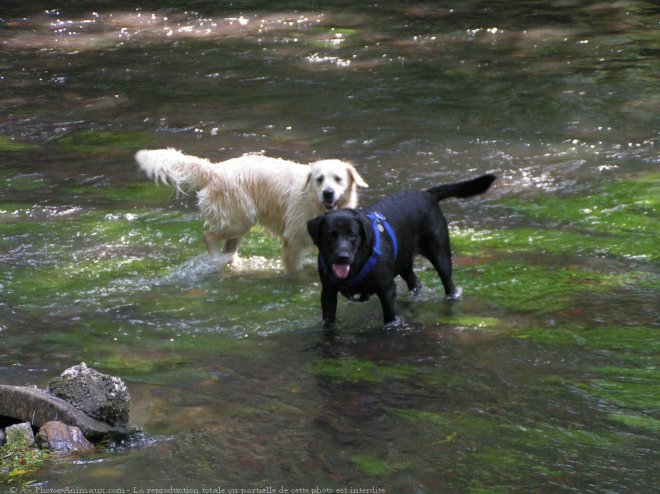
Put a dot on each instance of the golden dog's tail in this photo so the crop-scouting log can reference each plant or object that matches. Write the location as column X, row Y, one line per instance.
column 169, row 166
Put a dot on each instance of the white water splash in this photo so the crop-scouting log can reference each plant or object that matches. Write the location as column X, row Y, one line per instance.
column 200, row 267
column 195, row 269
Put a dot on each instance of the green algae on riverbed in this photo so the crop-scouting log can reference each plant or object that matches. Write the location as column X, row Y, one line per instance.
column 17, row 182
column 372, row 466
column 635, row 421
column 7, row 144
column 473, row 322
column 636, row 340
column 618, row 208
column 557, row 242
column 100, row 141
column 523, row 286
column 626, row 384
column 140, row 193
column 507, row 448
column 362, row 371
column 618, row 219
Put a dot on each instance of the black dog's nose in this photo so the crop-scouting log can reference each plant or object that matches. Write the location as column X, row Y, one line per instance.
column 342, row 259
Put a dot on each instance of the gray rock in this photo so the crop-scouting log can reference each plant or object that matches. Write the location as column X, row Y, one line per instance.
column 36, row 406
column 3, row 438
column 20, row 435
column 102, row 397
column 58, row 436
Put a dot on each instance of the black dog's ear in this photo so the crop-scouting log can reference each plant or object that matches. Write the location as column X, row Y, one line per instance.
column 366, row 229
column 314, row 229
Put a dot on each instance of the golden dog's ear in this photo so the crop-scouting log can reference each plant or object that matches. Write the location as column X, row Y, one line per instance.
column 309, row 179
column 357, row 179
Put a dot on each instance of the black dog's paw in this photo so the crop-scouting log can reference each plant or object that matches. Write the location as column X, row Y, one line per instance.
column 330, row 327
column 392, row 325
column 416, row 292
column 455, row 294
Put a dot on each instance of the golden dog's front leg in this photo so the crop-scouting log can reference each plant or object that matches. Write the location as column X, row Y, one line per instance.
column 292, row 256
column 210, row 240
column 229, row 255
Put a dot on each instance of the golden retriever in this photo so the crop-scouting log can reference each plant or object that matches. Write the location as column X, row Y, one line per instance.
column 236, row 194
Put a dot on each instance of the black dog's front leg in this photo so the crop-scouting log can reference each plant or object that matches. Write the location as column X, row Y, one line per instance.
column 387, row 298
column 329, row 305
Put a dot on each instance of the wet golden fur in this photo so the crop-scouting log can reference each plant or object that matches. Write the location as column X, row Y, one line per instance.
column 236, row 194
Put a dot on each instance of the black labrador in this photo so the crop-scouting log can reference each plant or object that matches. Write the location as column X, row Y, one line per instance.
column 362, row 251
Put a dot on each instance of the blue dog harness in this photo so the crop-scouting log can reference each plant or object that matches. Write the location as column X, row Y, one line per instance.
column 378, row 223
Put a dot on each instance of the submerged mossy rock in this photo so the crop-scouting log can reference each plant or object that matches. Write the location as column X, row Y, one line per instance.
column 20, row 435
column 102, row 397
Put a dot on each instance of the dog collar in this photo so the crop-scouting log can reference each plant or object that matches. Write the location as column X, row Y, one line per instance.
column 378, row 224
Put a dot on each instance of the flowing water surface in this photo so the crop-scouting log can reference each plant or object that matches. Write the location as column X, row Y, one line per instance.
column 543, row 378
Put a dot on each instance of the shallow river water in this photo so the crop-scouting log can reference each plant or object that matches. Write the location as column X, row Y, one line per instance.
column 543, row 378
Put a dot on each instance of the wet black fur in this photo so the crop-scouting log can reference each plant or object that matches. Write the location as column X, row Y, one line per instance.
column 345, row 236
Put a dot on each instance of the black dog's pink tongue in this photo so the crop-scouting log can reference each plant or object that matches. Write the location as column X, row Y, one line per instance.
column 341, row 270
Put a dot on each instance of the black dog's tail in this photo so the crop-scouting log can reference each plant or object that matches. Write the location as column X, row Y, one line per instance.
column 467, row 188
